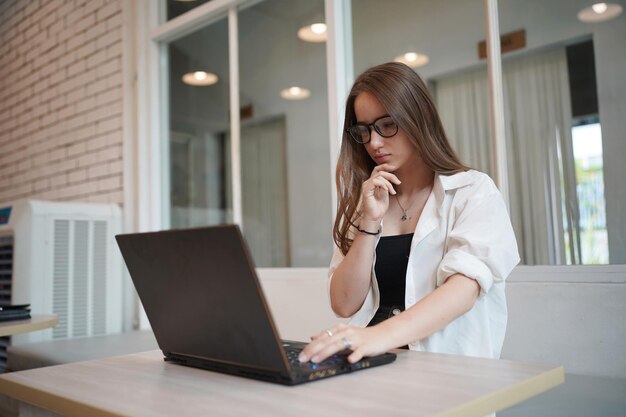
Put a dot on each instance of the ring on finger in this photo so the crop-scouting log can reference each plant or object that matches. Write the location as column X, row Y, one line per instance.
column 329, row 332
column 347, row 343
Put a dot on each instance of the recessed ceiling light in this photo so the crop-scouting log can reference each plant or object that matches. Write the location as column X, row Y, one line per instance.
column 200, row 78
column 599, row 12
column 295, row 93
column 318, row 28
column 600, row 7
column 413, row 59
column 313, row 33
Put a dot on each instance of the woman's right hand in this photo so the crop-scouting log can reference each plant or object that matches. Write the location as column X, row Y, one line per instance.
column 375, row 193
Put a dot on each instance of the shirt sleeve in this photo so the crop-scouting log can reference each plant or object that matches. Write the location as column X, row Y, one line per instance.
column 481, row 243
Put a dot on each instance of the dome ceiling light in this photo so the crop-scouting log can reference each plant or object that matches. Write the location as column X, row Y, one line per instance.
column 413, row 59
column 313, row 33
column 295, row 93
column 599, row 12
column 200, row 78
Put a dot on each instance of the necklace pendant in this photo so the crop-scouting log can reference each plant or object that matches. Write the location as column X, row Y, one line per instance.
column 404, row 216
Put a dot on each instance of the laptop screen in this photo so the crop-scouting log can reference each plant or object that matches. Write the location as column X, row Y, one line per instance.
column 202, row 296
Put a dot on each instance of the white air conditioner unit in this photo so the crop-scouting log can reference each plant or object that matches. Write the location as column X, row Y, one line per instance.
column 61, row 258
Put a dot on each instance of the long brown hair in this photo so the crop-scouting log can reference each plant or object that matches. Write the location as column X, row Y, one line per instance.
column 405, row 97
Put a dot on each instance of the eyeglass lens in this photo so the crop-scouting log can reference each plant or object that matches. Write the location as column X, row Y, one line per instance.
column 385, row 127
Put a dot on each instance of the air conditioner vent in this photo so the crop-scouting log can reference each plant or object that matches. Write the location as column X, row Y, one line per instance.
column 6, row 269
column 99, row 262
column 6, row 278
column 61, row 258
column 60, row 276
column 80, row 278
column 80, row 290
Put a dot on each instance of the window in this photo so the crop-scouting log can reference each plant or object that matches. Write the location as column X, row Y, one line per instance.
column 285, row 169
column 199, row 128
column 587, row 144
column 282, row 143
column 285, row 151
column 563, row 170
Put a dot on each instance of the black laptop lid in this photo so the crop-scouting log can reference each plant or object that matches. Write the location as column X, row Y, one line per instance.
column 202, row 296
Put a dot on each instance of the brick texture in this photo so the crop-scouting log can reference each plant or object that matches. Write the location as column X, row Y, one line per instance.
column 61, row 100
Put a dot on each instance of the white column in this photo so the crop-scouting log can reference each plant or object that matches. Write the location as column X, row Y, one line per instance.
column 340, row 76
column 147, row 159
column 496, row 95
column 235, row 154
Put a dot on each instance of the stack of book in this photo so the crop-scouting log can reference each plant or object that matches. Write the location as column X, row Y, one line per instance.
column 15, row 312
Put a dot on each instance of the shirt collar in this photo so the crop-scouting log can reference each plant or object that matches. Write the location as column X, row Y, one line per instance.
column 454, row 181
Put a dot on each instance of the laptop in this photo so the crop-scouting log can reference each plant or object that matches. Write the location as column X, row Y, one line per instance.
column 203, row 299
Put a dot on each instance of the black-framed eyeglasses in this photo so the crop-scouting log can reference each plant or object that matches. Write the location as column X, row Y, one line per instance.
column 385, row 126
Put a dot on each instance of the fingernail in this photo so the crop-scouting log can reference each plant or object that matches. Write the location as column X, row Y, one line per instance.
column 315, row 359
column 302, row 357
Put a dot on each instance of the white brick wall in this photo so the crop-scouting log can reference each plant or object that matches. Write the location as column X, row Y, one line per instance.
column 61, row 100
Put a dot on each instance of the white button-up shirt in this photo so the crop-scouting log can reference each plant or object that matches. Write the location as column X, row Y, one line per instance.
column 464, row 228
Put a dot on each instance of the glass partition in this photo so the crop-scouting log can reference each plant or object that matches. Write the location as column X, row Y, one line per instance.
column 199, row 128
column 284, row 133
column 418, row 33
column 284, row 145
column 565, row 101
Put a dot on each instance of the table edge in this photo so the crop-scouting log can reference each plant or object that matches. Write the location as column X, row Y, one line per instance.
column 479, row 407
column 11, row 328
column 509, row 396
column 52, row 402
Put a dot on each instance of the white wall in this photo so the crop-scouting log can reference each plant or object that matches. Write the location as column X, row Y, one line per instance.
column 573, row 316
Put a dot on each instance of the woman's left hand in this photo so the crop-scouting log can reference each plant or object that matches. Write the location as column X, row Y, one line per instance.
column 362, row 342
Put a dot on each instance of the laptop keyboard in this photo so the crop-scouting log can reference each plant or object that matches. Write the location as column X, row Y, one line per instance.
column 293, row 349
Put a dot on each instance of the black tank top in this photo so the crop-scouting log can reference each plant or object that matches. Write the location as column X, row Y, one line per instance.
column 392, row 258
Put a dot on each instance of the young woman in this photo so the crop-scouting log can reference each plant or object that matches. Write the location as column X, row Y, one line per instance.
column 423, row 243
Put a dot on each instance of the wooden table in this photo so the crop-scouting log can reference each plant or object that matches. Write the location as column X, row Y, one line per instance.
column 416, row 384
column 36, row 322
